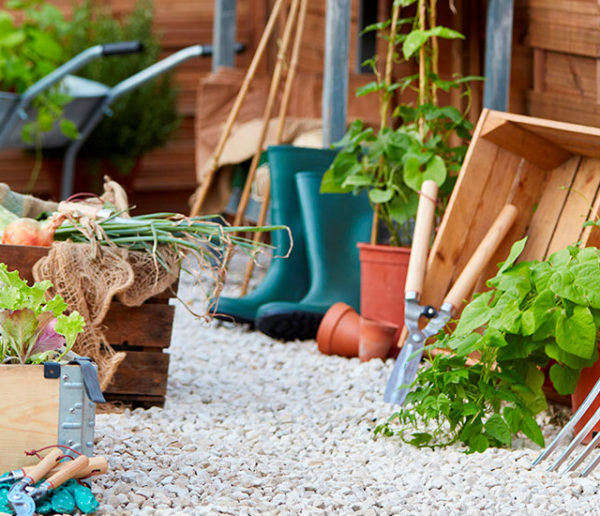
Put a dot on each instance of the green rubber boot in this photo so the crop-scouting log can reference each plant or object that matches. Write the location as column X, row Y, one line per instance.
column 287, row 278
column 333, row 224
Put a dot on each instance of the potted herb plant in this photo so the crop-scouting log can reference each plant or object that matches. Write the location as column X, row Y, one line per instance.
column 141, row 120
column 411, row 144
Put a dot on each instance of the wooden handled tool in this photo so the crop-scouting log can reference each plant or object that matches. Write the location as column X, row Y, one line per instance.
column 465, row 282
column 422, row 235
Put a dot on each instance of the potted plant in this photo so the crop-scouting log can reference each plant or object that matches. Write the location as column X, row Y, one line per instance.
column 412, row 144
column 141, row 120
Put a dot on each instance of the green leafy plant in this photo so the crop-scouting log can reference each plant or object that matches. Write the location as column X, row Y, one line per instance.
column 29, row 51
column 33, row 327
column 143, row 119
column 536, row 314
column 392, row 162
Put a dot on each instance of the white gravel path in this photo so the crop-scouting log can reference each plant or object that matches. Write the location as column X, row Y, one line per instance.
column 254, row 426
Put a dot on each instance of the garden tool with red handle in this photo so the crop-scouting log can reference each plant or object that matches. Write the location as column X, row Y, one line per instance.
column 22, row 500
column 97, row 466
column 407, row 363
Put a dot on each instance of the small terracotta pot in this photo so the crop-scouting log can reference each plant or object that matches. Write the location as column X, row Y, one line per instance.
column 338, row 331
column 375, row 339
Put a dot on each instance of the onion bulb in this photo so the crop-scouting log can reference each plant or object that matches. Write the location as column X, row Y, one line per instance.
column 26, row 231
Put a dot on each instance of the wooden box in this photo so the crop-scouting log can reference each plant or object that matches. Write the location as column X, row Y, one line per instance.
column 549, row 170
column 143, row 332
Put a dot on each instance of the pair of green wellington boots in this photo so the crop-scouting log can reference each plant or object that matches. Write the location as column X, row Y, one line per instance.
column 323, row 266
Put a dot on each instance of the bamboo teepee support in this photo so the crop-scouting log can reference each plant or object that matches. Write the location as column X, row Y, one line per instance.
column 260, row 50
column 285, row 100
column 273, row 90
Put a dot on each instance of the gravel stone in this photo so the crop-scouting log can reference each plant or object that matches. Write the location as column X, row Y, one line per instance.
column 252, row 426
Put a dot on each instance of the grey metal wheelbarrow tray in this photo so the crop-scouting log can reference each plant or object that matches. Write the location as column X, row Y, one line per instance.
column 91, row 100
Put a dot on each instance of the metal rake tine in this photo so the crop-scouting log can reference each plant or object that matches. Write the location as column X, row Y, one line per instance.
column 591, row 466
column 587, row 403
column 580, row 436
column 587, row 450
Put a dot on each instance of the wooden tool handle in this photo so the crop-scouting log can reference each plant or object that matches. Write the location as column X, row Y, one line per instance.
column 422, row 236
column 46, row 464
column 97, row 466
column 70, row 470
column 481, row 256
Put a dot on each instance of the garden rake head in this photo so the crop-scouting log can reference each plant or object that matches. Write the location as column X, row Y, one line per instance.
column 589, row 426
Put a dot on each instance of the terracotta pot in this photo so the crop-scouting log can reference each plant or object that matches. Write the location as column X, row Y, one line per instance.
column 587, row 379
column 383, row 272
column 338, row 331
column 376, row 339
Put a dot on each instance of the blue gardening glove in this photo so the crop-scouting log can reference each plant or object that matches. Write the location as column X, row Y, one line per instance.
column 63, row 501
column 84, row 498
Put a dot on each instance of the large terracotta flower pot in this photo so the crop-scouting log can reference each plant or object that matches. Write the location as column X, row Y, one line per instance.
column 338, row 331
column 375, row 339
column 383, row 272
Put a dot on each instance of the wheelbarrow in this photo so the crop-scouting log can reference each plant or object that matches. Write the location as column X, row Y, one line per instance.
column 407, row 363
column 91, row 100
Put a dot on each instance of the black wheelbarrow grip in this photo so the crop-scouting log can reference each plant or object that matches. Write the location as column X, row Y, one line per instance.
column 122, row 48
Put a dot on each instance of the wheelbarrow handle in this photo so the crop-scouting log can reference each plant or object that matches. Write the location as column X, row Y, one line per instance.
column 465, row 282
column 421, row 237
column 122, row 48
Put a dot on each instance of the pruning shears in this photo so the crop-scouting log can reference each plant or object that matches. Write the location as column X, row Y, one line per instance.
column 407, row 363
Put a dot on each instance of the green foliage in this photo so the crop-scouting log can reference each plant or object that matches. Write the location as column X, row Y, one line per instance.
column 535, row 312
column 392, row 163
column 30, row 50
column 34, row 328
column 146, row 117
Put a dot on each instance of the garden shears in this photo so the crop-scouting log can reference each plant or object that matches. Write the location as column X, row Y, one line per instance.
column 407, row 363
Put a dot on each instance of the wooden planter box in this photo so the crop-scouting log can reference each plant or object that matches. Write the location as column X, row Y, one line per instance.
column 143, row 332
column 42, row 407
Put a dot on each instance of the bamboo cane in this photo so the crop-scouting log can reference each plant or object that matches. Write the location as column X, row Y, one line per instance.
column 285, row 100
column 273, row 90
column 260, row 50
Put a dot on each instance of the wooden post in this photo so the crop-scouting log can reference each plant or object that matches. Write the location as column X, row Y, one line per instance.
column 224, row 24
column 498, row 45
column 335, row 74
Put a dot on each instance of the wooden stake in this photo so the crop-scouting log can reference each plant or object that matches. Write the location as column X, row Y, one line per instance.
column 289, row 82
column 260, row 50
column 273, row 90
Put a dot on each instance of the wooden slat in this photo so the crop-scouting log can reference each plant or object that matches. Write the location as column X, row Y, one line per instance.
column 149, row 325
column 141, row 373
column 29, row 405
column 570, row 40
column 553, row 196
column 576, row 211
column 459, row 215
column 528, row 145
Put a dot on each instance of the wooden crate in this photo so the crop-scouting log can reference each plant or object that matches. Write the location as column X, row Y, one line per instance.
column 143, row 332
column 549, row 170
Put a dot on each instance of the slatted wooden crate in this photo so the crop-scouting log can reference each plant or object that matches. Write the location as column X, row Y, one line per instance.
column 143, row 332
column 549, row 170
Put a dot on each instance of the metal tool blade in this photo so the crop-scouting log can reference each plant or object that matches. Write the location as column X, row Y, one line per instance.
column 405, row 368
column 21, row 503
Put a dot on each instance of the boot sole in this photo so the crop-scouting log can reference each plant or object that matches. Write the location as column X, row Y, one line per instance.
column 290, row 325
column 233, row 319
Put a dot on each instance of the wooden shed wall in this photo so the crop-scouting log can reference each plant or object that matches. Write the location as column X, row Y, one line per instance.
column 167, row 175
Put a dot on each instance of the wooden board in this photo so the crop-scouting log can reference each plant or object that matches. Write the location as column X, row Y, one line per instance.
column 29, row 405
column 142, row 373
